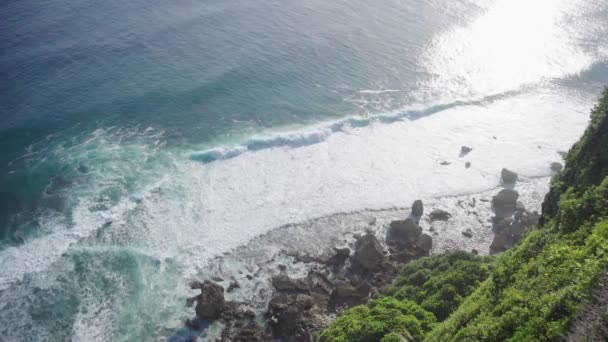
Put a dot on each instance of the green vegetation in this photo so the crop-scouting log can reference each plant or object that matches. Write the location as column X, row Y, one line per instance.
column 530, row 293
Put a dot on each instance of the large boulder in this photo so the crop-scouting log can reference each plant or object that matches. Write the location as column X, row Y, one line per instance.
column 283, row 282
column 505, row 202
column 368, row 252
column 439, row 215
column 403, row 233
column 211, row 302
column 556, row 167
column 425, row 243
column 508, row 176
column 417, row 208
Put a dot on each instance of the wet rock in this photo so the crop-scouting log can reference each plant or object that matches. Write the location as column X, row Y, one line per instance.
column 372, row 221
column 464, row 150
column 445, row 163
column 403, row 233
column 304, row 302
column 211, row 302
column 474, row 251
column 338, row 259
column 217, row 279
column 508, row 177
column 368, row 252
column 439, row 215
column 467, row 165
column 417, row 208
column 505, row 202
column 345, row 291
column 556, row 167
column 283, row 282
column 467, row 233
column 425, row 243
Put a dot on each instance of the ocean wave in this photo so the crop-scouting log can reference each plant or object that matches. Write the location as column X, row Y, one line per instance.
column 320, row 133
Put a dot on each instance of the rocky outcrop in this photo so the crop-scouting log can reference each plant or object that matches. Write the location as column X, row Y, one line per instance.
column 504, row 203
column 417, row 208
column 511, row 221
column 508, row 176
column 283, row 282
column 402, row 233
column 368, row 252
column 210, row 303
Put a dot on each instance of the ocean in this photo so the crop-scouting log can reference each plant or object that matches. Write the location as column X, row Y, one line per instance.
column 139, row 139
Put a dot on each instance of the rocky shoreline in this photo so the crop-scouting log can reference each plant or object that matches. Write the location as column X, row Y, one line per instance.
column 295, row 292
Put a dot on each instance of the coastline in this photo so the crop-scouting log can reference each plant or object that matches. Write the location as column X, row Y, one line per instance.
column 247, row 272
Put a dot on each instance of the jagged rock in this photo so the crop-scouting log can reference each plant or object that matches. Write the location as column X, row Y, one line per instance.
column 439, row 215
column 425, row 243
column 283, row 282
column 505, row 202
column 557, row 167
column 338, row 259
column 211, row 302
column 507, row 176
column 464, row 150
column 304, row 302
column 345, row 291
column 368, row 252
column 417, row 208
column 403, row 233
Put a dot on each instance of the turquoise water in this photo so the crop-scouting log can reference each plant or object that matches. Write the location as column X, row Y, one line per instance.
column 138, row 139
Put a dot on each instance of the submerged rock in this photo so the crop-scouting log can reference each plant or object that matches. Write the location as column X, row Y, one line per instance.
column 467, row 233
column 508, row 176
column 368, row 252
column 439, row 215
column 464, row 150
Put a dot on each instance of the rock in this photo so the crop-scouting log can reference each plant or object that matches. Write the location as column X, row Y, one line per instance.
column 338, row 259
column 556, row 167
column 345, row 291
column 467, row 233
column 505, row 202
column 282, row 267
column 501, row 225
column 403, row 233
column 217, row 279
column 507, row 176
column 211, row 302
column 368, row 252
column 372, row 221
column 280, row 301
column 417, row 208
column 445, row 163
column 562, row 154
column 474, row 251
column 464, row 150
column 425, row 243
column 83, row 168
column 467, row 165
column 283, row 282
column 432, row 229
column 196, row 285
column 439, row 215
column 304, row 302
column 533, row 218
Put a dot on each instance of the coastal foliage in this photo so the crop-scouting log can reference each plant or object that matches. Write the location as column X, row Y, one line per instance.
column 533, row 292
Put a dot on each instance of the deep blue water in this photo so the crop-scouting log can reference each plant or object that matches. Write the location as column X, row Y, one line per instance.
column 101, row 99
